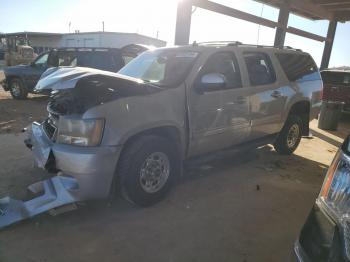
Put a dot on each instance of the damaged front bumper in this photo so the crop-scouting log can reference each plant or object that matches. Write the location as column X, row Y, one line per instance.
column 54, row 192
column 83, row 173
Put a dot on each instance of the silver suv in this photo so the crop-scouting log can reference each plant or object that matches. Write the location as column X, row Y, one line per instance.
column 132, row 130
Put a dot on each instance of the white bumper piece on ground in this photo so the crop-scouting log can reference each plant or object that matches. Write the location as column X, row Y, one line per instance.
column 52, row 192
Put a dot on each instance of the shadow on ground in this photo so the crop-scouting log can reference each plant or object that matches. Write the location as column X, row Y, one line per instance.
column 17, row 114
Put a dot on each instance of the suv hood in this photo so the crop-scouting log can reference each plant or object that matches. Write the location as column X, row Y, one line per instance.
column 76, row 89
column 59, row 78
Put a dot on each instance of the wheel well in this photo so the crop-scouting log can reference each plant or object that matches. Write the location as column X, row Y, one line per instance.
column 302, row 109
column 9, row 79
column 169, row 132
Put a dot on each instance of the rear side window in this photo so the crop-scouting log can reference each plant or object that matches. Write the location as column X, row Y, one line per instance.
column 260, row 68
column 109, row 61
column 298, row 67
column 98, row 60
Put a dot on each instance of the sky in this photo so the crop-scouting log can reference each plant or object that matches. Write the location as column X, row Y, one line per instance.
column 158, row 17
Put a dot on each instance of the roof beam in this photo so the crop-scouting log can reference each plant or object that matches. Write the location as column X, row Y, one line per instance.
column 330, row 2
column 311, row 9
column 341, row 7
column 221, row 9
column 225, row 10
column 303, row 33
column 342, row 16
column 303, row 7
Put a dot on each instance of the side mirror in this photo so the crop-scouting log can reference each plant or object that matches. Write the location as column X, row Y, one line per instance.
column 211, row 82
column 32, row 64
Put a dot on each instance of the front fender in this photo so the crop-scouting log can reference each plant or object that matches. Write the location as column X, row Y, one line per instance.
column 130, row 116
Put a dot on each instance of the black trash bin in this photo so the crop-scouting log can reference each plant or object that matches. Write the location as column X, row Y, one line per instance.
column 329, row 115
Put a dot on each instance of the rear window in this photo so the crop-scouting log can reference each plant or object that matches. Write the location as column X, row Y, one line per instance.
column 298, row 67
column 339, row 78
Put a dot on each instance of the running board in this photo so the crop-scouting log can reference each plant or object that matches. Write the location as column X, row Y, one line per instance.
column 54, row 193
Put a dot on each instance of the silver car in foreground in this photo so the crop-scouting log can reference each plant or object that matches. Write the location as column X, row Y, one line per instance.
column 325, row 235
column 132, row 130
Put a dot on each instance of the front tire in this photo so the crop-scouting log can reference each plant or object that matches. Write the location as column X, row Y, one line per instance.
column 17, row 89
column 147, row 170
column 289, row 137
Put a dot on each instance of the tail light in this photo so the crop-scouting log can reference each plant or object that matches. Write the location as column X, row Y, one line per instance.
column 322, row 92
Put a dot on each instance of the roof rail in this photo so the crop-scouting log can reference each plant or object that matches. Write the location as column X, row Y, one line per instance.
column 218, row 43
column 237, row 43
column 291, row 48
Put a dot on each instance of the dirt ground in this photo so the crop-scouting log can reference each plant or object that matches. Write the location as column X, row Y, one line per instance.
column 235, row 207
column 17, row 114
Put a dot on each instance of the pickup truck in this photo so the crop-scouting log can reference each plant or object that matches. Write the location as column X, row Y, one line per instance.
column 21, row 79
column 336, row 87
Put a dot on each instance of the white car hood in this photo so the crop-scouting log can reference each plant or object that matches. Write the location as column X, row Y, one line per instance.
column 60, row 78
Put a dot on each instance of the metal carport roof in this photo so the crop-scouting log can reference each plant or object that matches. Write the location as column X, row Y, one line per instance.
column 333, row 11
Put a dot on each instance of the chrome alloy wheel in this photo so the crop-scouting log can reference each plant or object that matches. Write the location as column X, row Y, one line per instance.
column 154, row 172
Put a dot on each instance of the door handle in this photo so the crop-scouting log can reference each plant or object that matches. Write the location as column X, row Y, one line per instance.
column 276, row 94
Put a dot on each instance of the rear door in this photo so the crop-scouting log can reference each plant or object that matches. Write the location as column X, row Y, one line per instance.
column 267, row 98
column 303, row 80
column 219, row 118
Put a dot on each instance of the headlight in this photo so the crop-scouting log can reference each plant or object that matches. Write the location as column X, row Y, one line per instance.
column 80, row 132
column 335, row 193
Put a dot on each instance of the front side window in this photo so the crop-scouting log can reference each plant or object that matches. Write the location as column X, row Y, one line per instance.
column 161, row 67
column 259, row 68
column 42, row 60
column 224, row 63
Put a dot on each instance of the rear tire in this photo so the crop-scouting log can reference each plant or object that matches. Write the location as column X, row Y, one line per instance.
column 147, row 170
column 289, row 137
column 18, row 89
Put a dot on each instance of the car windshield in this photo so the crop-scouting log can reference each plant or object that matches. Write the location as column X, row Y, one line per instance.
column 161, row 67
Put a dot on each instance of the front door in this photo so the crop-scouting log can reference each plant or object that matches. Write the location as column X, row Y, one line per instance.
column 219, row 117
column 37, row 68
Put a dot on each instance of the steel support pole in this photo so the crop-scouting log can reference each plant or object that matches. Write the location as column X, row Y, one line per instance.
column 183, row 22
column 328, row 46
column 281, row 30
